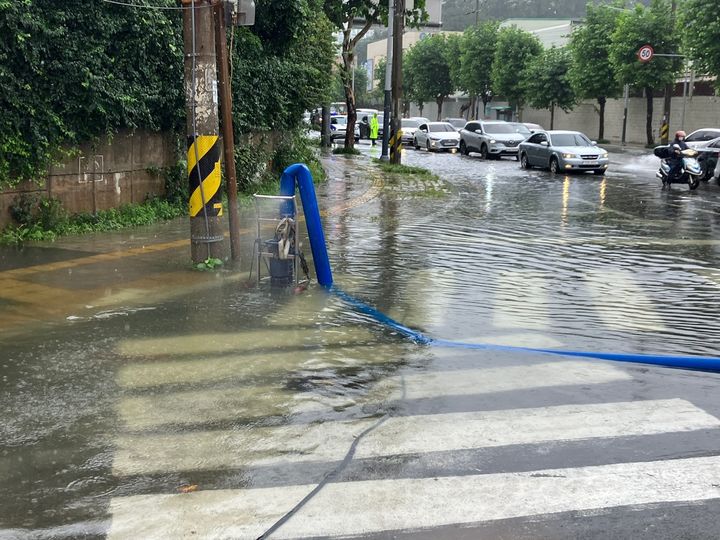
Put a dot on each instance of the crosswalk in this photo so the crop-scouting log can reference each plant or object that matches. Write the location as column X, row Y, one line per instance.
column 268, row 432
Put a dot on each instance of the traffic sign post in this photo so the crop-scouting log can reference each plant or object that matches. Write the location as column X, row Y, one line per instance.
column 645, row 53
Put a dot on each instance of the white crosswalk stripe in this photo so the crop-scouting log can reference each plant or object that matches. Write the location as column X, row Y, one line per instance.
column 364, row 507
column 521, row 301
column 329, row 441
column 175, row 428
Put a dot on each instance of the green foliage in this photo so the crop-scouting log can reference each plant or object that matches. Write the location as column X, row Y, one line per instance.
column 74, row 70
column 209, row 264
column 591, row 73
column 700, row 24
column 45, row 219
column 515, row 49
column 646, row 25
column 546, row 81
column 392, row 168
column 477, row 51
column 429, row 71
column 273, row 86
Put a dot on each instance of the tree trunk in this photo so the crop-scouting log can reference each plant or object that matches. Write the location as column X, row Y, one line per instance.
column 439, row 102
column 470, row 111
column 421, row 106
column 552, row 116
column 349, row 96
column 648, row 123
column 601, row 133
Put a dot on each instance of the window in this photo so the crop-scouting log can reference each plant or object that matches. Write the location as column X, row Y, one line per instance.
column 441, row 128
column 538, row 138
column 472, row 126
column 570, row 139
column 500, row 129
column 408, row 123
column 703, row 135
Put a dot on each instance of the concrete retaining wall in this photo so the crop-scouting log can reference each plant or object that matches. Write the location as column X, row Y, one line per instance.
column 700, row 112
column 106, row 175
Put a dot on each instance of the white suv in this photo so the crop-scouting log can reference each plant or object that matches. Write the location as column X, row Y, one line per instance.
column 493, row 139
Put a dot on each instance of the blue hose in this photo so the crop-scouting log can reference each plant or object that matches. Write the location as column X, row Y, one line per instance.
column 699, row 363
column 299, row 174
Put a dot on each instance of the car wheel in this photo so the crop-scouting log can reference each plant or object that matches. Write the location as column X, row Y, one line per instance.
column 599, row 172
column 484, row 151
column 524, row 162
column 463, row 148
column 554, row 165
column 416, row 145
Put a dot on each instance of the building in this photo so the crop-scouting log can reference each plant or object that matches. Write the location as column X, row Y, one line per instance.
column 550, row 32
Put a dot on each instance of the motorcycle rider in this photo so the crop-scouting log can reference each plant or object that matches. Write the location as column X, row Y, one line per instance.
column 676, row 160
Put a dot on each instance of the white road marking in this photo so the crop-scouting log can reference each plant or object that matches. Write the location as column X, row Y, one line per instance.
column 329, row 441
column 251, row 367
column 502, row 379
column 366, row 507
column 203, row 406
column 620, row 301
column 250, row 340
column 521, row 300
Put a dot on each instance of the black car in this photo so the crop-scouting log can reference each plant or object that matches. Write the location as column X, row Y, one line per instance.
column 709, row 155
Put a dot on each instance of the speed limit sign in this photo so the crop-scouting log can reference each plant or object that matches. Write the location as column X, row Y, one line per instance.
column 645, row 53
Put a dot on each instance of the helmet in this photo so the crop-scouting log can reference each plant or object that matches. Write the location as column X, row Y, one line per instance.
column 679, row 134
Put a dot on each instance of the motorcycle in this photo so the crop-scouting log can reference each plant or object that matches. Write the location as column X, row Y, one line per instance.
column 690, row 173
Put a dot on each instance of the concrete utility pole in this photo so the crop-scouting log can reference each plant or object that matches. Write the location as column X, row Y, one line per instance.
column 388, row 82
column 665, row 127
column 203, row 157
column 227, row 127
column 398, row 25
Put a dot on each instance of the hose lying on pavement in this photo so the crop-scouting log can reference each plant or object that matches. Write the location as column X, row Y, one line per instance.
column 699, row 363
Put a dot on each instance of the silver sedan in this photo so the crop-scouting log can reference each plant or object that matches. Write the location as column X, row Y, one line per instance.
column 436, row 136
column 563, row 151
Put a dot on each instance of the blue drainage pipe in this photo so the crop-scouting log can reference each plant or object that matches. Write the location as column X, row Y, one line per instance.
column 301, row 176
column 699, row 363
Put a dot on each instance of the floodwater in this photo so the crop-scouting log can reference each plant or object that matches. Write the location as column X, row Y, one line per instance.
column 127, row 377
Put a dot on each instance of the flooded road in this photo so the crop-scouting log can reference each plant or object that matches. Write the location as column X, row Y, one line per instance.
column 142, row 399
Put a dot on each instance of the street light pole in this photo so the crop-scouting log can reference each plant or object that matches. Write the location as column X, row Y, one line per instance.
column 384, row 156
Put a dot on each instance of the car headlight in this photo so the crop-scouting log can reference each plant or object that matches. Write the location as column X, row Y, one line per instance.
column 569, row 156
column 603, row 154
column 492, row 141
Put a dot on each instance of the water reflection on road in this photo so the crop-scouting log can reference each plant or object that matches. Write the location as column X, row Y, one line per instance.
column 212, row 384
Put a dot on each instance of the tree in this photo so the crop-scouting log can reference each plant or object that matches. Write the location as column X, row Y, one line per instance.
column 700, row 21
column 476, row 58
column 547, row 84
column 651, row 25
column 591, row 73
column 345, row 15
column 429, row 70
column 515, row 49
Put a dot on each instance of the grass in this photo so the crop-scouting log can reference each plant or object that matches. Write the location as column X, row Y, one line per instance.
column 391, row 168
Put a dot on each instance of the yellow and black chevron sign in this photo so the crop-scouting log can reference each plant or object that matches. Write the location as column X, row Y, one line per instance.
column 395, row 143
column 203, row 161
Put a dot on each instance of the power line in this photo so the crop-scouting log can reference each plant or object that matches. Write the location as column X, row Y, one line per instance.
column 147, row 6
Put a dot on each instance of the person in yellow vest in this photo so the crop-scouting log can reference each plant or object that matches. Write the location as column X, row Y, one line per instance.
column 374, row 128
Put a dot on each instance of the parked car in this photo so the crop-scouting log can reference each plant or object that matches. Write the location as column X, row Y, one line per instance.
column 457, row 123
column 435, row 136
column 420, row 119
column 563, row 151
column 493, row 139
column 709, row 156
column 338, row 128
column 409, row 126
column 533, row 127
column 701, row 136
